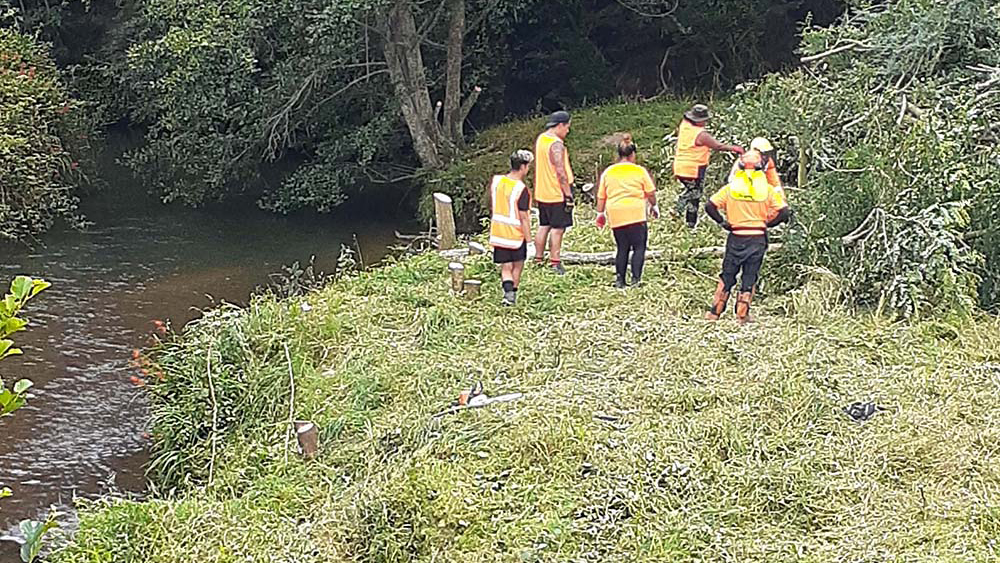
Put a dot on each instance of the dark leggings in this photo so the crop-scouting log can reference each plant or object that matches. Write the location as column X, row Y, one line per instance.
column 631, row 238
column 744, row 254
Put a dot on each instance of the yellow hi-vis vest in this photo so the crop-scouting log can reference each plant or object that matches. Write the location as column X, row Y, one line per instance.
column 547, row 189
column 749, row 186
column 505, row 224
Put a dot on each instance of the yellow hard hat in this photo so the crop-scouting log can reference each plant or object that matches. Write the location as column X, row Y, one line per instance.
column 761, row 144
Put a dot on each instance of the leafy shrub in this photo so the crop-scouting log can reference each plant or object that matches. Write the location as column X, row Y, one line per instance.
column 893, row 114
column 43, row 136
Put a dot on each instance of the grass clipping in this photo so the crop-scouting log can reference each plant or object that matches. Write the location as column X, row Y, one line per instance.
column 644, row 433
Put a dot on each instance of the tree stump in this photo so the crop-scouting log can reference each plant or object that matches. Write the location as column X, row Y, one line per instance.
column 445, row 221
column 308, row 437
column 472, row 289
column 457, row 276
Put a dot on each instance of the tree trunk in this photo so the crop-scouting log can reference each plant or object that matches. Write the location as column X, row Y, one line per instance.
column 406, row 70
column 453, row 118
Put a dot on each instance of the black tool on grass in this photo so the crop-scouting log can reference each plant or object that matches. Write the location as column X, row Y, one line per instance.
column 862, row 411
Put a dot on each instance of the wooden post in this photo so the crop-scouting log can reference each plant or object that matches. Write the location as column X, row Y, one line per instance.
column 457, row 276
column 802, row 165
column 445, row 221
column 308, row 437
column 476, row 248
column 472, row 289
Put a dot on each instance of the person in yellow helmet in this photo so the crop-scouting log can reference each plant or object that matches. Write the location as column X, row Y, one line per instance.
column 510, row 223
column 768, row 166
column 625, row 190
column 751, row 206
column 694, row 149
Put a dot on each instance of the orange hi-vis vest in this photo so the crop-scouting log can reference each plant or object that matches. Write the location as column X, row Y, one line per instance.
column 749, row 201
column 625, row 187
column 689, row 157
column 505, row 224
column 547, row 189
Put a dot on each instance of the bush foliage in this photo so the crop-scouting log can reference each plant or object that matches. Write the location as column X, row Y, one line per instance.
column 44, row 136
column 895, row 110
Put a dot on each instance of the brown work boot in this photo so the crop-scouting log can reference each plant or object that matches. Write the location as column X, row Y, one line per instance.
column 719, row 301
column 743, row 307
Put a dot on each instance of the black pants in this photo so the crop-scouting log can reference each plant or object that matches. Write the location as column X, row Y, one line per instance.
column 746, row 254
column 631, row 238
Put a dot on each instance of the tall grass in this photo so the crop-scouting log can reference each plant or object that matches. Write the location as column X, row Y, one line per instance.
column 644, row 434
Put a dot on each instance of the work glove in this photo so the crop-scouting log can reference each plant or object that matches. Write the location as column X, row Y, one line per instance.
column 568, row 200
column 601, row 221
column 655, row 212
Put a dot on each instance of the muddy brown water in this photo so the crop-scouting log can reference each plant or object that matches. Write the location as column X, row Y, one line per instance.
column 81, row 434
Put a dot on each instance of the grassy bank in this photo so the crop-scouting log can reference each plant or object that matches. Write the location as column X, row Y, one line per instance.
column 645, row 434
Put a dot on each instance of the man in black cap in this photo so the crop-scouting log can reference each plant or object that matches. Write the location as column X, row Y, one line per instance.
column 694, row 148
column 553, row 192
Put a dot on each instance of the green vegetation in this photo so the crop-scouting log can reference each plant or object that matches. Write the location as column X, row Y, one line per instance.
column 22, row 289
column 644, row 434
column 895, row 111
column 43, row 137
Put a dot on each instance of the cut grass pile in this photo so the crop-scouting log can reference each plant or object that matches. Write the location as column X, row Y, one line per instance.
column 644, row 434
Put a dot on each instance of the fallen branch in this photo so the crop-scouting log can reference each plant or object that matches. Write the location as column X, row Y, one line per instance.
column 834, row 51
column 608, row 258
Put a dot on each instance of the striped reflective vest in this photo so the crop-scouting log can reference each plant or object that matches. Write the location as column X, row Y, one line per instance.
column 505, row 225
column 689, row 157
column 547, row 189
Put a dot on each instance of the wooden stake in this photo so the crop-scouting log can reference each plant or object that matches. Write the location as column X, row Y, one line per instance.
column 457, row 276
column 308, row 437
column 802, row 165
column 472, row 289
column 445, row 221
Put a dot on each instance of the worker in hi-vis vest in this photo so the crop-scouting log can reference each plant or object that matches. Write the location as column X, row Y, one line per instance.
column 625, row 191
column 694, row 149
column 751, row 206
column 510, row 223
column 553, row 189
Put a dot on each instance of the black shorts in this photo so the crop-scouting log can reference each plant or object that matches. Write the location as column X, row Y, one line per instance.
column 506, row 255
column 555, row 215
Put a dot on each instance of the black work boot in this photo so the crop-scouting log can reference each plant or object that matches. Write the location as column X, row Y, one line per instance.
column 619, row 282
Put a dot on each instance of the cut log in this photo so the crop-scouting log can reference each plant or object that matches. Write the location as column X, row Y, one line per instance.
column 472, row 289
column 308, row 437
column 445, row 221
column 607, row 258
column 457, row 275
column 476, row 248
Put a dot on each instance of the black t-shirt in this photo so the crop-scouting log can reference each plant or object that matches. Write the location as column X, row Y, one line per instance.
column 524, row 202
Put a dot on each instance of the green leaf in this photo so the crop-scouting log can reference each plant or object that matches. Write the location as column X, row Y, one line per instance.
column 4, row 346
column 12, row 325
column 37, row 286
column 21, row 386
column 21, row 287
column 5, row 492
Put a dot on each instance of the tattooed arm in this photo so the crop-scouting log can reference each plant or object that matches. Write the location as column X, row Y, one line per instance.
column 557, row 157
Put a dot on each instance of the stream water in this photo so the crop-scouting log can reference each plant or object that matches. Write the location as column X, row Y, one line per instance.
column 81, row 434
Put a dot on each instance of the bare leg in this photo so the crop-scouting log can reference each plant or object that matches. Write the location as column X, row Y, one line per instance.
column 507, row 272
column 540, row 237
column 555, row 245
column 516, row 269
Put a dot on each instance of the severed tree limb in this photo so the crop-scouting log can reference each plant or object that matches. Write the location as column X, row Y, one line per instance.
column 608, row 258
column 819, row 56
